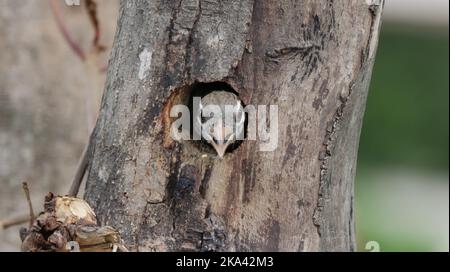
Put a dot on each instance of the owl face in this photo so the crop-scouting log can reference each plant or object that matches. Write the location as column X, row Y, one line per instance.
column 221, row 124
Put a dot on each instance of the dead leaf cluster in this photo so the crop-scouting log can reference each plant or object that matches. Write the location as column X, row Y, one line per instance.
column 68, row 224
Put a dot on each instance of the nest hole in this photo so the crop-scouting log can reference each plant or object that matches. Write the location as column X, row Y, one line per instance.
column 184, row 96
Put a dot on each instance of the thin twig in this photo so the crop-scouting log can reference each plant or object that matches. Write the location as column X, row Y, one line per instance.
column 7, row 223
column 82, row 166
column 79, row 174
column 62, row 27
column 30, row 205
column 91, row 7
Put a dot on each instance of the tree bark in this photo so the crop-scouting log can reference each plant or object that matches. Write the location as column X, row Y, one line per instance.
column 311, row 58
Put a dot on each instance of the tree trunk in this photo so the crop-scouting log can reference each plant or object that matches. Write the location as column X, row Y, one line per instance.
column 311, row 58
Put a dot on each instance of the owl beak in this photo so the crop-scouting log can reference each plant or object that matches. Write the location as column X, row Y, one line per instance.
column 220, row 149
column 220, row 144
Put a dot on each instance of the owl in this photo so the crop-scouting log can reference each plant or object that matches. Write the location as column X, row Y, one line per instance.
column 220, row 120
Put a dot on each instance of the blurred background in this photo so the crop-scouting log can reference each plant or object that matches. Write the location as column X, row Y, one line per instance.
column 402, row 184
column 49, row 97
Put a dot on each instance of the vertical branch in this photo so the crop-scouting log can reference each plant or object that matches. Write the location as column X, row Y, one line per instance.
column 91, row 8
column 62, row 27
column 7, row 223
column 30, row 205
column 79, row 174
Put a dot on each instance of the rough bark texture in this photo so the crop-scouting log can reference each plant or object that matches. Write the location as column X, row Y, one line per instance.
column 311, row 58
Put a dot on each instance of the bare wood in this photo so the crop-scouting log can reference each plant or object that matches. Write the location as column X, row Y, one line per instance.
column 7, row 223
column 79, row 173
column 311, row 58
column 82, row 167
column 30, row 205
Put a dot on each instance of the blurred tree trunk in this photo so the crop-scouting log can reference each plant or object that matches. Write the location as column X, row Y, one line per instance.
column 45, row 97
column 311, row 58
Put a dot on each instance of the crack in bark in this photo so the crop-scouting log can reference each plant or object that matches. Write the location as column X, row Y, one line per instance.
column 142, row 219
column 170, row 31
column 138, row 230
column 376, row 11
column 350, row 226
column 290, row 50
column 191, row 41
column 326, row 153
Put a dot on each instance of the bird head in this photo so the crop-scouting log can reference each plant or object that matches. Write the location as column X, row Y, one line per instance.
column 224, row 121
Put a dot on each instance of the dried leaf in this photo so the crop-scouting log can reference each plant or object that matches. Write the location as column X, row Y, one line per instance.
column 69, row 225
column 70, row 210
